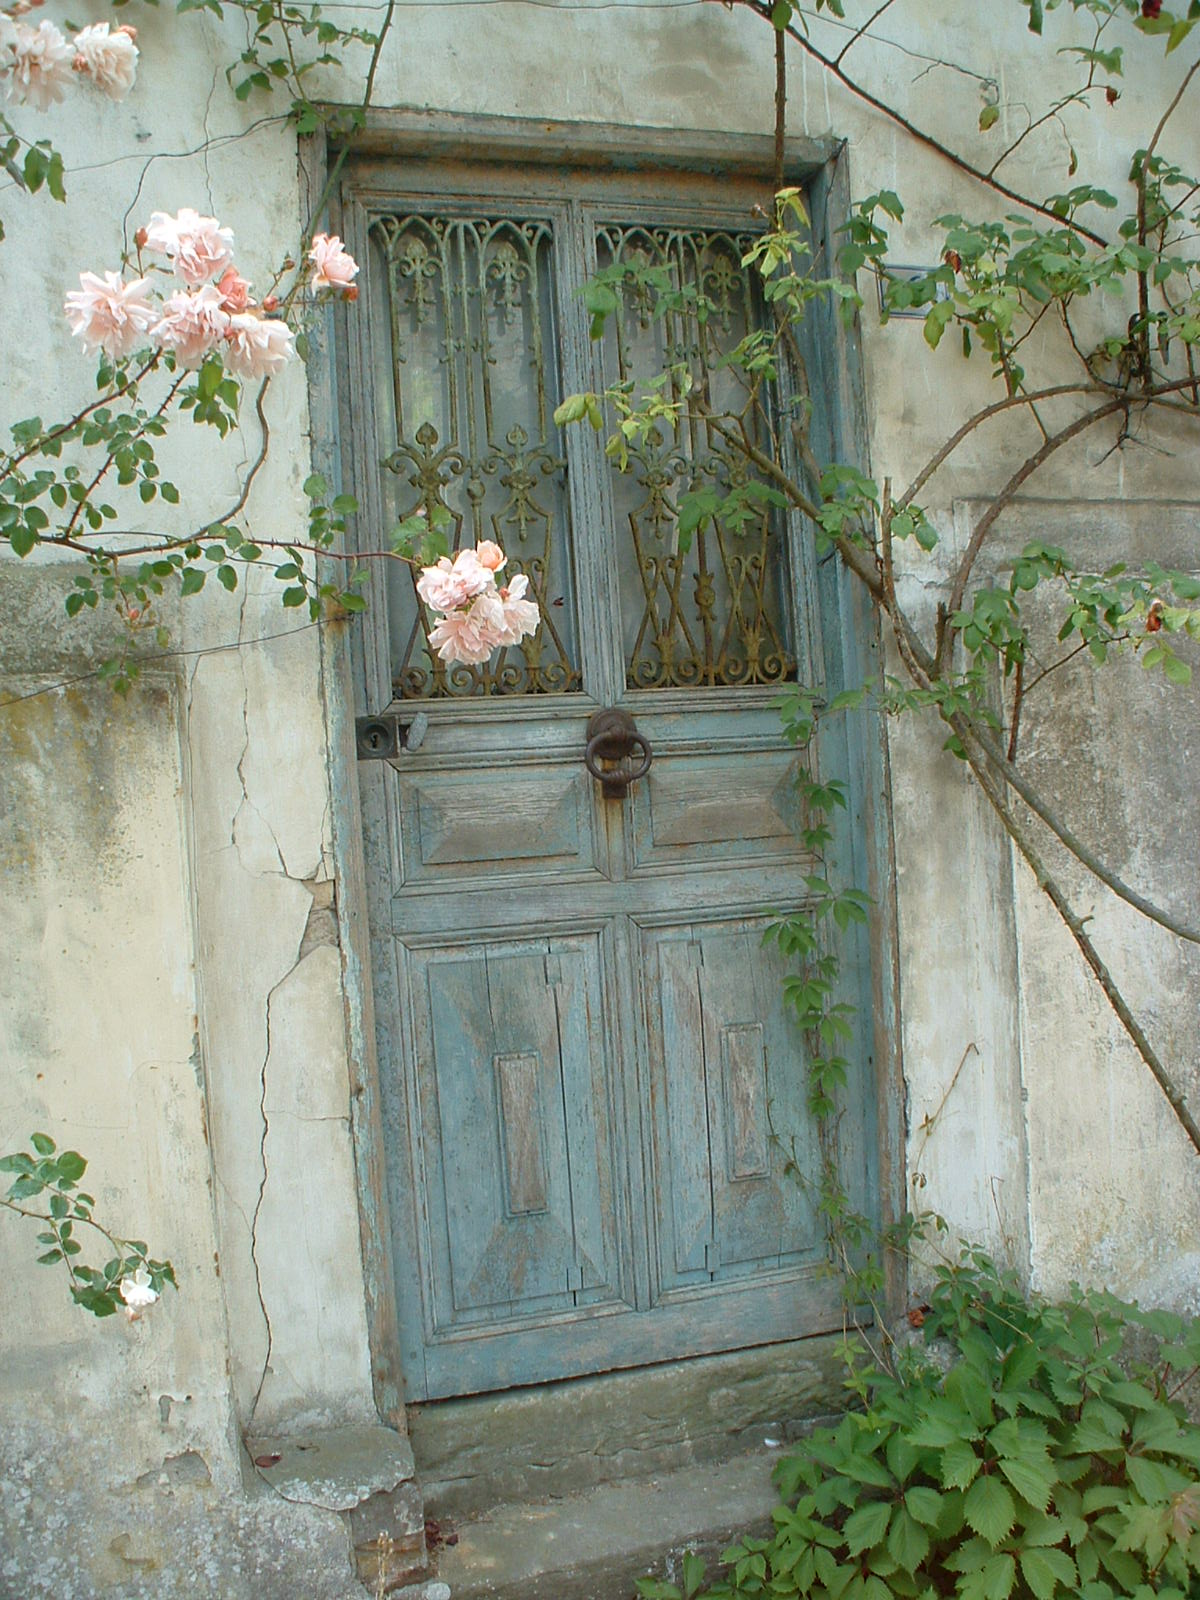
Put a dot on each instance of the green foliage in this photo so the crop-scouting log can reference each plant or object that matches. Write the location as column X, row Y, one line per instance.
column 46, row 1189
column 1021, row 1453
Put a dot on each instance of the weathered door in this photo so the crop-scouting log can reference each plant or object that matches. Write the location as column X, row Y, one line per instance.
column 584, row 1051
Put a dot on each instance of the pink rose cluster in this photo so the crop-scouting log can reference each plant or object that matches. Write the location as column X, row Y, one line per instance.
column 478, row 614
column 208, row 308
column 36, row 64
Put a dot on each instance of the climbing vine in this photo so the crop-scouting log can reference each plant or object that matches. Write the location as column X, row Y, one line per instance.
column 1004, row 288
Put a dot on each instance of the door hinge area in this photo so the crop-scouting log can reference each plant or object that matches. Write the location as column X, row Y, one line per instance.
column 712, row 1258
column 387, row 734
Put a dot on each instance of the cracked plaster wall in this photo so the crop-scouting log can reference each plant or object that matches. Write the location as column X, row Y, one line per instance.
column 173, row 1002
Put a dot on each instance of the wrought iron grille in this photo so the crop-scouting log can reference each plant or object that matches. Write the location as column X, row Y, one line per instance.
column 712, row 614
column 466, row 419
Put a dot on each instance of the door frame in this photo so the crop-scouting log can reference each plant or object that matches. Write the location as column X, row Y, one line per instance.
column 865, row 846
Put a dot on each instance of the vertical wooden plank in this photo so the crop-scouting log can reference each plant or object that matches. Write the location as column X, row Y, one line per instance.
column 522, row 1134
column 683, row 1170
column 744, row 1087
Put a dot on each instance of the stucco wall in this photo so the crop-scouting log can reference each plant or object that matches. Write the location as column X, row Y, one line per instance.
column 173, row 995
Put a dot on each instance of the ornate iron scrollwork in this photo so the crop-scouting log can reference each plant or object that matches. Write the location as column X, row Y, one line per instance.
column 709, row 613
column 474, row 365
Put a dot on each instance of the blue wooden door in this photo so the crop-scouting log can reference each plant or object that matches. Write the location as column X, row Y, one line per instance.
column 585, row 1054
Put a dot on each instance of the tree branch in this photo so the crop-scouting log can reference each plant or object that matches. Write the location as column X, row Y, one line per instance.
column 927, row 139
column 1175, row 1097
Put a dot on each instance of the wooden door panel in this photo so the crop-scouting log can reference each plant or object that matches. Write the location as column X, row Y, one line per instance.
column 455, row 826
column 707, row 812
column 727, row 1064
column 514, row 1131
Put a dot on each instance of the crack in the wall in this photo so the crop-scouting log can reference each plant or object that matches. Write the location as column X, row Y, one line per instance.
column 258, row 1204
column 241, row 774
column 253, row 1221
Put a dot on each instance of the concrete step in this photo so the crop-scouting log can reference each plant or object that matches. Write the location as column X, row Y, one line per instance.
column 593, row 1545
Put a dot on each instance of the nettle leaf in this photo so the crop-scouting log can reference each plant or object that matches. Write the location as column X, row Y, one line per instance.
column 989, row 1509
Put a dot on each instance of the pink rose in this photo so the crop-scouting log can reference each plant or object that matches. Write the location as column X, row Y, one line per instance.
column 452, row 583
column 38, row 65
column 489, row 555
column 258, row 346
column 518, row 616
column 198, row 247
column 193, row 323
column 109, row 314
column 468, row 636
column 333, row 268
column 109, row 58
column 234, row 290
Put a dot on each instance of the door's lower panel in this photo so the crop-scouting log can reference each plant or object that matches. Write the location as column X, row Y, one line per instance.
column 528, row 1203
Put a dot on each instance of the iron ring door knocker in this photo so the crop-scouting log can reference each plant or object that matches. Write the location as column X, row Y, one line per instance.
column 612, row 735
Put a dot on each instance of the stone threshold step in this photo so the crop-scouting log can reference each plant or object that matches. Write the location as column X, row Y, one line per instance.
column 593, row 1545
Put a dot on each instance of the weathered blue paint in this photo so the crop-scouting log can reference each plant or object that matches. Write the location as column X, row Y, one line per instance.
column 583, row 1046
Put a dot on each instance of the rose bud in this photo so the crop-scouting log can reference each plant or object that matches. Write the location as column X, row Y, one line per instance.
column 1112, row 95
column 1151, row 8
column 140, row 238
column 953, row 260
column 271, row 303
column 351, row 292
column 1154, row 616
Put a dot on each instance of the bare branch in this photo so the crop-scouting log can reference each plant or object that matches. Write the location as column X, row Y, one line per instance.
column 919, row 134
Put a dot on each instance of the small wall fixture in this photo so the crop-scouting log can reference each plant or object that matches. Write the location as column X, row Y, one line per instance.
column 382, row 737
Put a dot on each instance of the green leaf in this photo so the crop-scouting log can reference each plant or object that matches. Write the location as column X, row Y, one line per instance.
column 1100, row 1427
column 907, row 1541
column 989, row 1509
column 1175, row 670
column 998, row 1577
column 959, row 1466
column 925, row 1505
column 1033, row 1480
column 693, row 1573
column 37, row 165
column 988, row 118
column 866, row 1526
column 42, row 1143
column 1035, row 16
column 573, row 409
column 193, row 580
column 71, row 1165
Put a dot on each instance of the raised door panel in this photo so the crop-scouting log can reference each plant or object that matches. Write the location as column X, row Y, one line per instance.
column 713, row 811
column 459, row 830
column 727, row 1070
column 515, row 1139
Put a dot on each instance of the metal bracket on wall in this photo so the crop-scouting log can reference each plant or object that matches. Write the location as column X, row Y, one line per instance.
column 381, row 737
